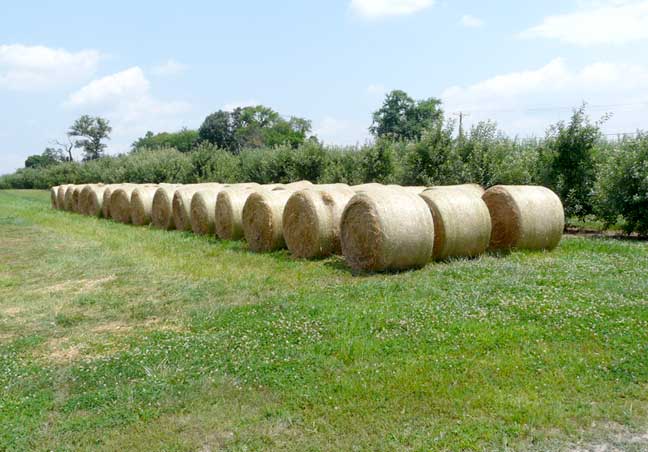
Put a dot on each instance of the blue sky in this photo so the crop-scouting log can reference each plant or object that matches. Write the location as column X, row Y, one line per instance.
column 164, row 65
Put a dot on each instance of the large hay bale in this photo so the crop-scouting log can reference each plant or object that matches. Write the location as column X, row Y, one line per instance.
column 107, row 197
column 415, row 190
column 84, row 198
column 162, row 207
column 120, row 203
column 54, row 197
column 142, row 204
column 181, row 204
column 528, row 217
column 76, row 195
column 475, row 189
column 203, row 209
column 94, row 200
column 387, row 229
column 263, row 219
column 60, row 196
column 311, row 220
column 67, row 199
column 228, row 216
column 462, row 223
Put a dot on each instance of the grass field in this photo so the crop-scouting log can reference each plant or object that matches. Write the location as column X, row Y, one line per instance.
column 116, row 337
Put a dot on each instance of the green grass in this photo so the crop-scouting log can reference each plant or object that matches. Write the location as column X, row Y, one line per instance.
column 118, row 337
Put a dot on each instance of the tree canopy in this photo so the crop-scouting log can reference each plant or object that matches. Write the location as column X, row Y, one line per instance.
column 89, row 133
column 402, row 118
column 184, row 140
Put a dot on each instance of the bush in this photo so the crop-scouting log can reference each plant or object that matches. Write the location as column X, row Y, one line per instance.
column 211, row 164
column 434, row 159
column 622, row 187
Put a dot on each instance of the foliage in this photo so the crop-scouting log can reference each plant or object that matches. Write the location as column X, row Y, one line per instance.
column 252, row 127
column 89, row 133
column 402, row 118
column 622, row 188
column 50, row 156
column 184, row 140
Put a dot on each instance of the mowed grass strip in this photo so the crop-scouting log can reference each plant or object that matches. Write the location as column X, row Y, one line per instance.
column 116, row 336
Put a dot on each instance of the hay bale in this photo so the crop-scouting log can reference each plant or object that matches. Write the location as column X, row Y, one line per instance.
column 141, row 204
column 415, row 190
column 107, row 197
column 262, row 219
column 387, row 229
column 94, row 200
column 76, row 195
column 203, row 210
column 311, row 220
column 54, row 197
column 60, row 196
column 162, row 207
column 462, row 223
column 181, row 204
column 120, row 203
column 528, row 217
column 84, row 198
column 475, row 189
column 228, row 216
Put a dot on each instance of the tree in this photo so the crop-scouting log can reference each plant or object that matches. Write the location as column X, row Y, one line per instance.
column 184, row 140
column 49, row 157
column 568, row 156
column 65, row 149
column 91, row 131
column 253, row 127
column 403, row 118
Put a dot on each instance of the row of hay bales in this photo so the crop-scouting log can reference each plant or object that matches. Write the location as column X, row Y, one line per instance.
column 375, row 227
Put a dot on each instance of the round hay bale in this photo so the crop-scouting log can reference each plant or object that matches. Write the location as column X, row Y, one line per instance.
column 462, row 223
column 311, row 220
column 54, row 197
column 415, row 190
column 107, row 196
column 67, row 203
column 387, row 229
column 203, row 210
column 120, row 205
column 84, row 198
column 141, row 204
column 181, row 204
column 60, row 196
column 228, row 216
column 262, row 219
column 76, row 194
column 162, row 207
column 528, row 217
column 94, row 201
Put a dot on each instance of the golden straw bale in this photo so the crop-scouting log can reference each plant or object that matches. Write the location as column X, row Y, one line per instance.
column 228, row 216
column 262, row 219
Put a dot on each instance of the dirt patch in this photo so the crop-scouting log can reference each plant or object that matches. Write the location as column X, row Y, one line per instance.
column 59, row 352
column 12, row 311
column 77, row 286
column 614, row 438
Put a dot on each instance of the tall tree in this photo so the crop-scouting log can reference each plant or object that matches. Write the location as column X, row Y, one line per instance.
column 90, row 131
column 50, row 156
column 184, row 140
column 402, row 118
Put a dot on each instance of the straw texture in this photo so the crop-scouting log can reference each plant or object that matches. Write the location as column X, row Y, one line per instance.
column 120, row 205
column 528, row 217
column 141, row 204
column 107, row 198
column 387, row 229
column 475, row 189
column 203, row 210
column 94, row 201
column 60, row 196
column 181, row 205
column 228, row 217
column 462, row 223
column 76, row 195
column 54, row 197
column 262, row 219
column 311, row 220
column 162, row 207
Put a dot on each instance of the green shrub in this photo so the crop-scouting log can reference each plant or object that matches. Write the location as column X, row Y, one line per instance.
column 211, row 164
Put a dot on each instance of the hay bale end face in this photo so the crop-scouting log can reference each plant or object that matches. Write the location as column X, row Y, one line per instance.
column 228, row 215
column 68, row 199
column 107, row 197
column 262, row 220
column 387, row 229
column 311, row 220
column 527, row 217
column 94, row 201
column 141, row 204
column 54, row 197
column 474, row 189
column 76, row 195
column 120, row 205
column 462, row 223
column 162, row 207
column 60, row 196
column 181, row 204
column 203, row 210
column 84, row 198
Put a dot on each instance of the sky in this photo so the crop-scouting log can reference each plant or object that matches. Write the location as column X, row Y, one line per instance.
column 165, row 65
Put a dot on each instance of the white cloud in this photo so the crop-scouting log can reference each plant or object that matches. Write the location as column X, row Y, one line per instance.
column 469, row 21
column 125, row 98
column 26, row 68
column 341, row 131
column 231, row 106
column 608, row 23
column 375, row 9
column 169, row 68
column 526, row 102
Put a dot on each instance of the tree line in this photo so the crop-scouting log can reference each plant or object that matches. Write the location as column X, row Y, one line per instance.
column 414, row 144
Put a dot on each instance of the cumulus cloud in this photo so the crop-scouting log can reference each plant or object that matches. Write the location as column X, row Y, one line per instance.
column 126, row 99
column 599, row 23
column 527, row 101
column 469, row 21
column 375, row 9
column 29, row 68
column 169, row 68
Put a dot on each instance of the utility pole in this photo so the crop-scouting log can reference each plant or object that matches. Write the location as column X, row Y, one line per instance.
column 461, row 115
